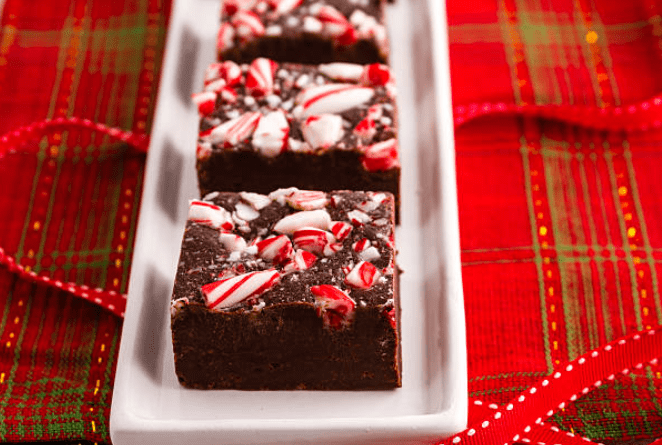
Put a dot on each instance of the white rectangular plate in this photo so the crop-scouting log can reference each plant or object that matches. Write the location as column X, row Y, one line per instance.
column 150, row 407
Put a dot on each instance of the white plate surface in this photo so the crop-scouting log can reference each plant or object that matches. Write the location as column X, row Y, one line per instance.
column 150, row 407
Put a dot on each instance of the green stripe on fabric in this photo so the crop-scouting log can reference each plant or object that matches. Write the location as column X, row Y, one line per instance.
column 132, row 233
column 502, row 390
column 506, row 30
column 609, row 157
column 641, row 217
column 561, row 232
column 580, row 30
column 8, row 394
column 605, row 52
column 526, row 167
column 507, row 375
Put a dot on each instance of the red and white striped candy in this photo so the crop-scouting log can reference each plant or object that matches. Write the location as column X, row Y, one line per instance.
column 206, row 102
column 363, row 276
column 381, row 156
column 270, row 136
column 256, row 200
column 313, row 240
column 333, row 305
column 228, row 292
column 302, row 260
column 225, row 39
column 332, row 248
column 347, row 72
column 227, row 71
column 277, row 249
column 247, row 25
column 230, row 7
column 348, row 37
column 306, row 199
column 390, row 316
column 211, row 215
column 228, row 95
column 235, row 130
column 232, row 242
column 260, row 77
column 361, row 245
column 366, row 129
column 333, row 98
column 358, row 218
column 340, row 229
column 375, row 75
column 375, row 112
column 203, row 150
column 319, row 219
column 322, row 131
column 335, row 22
column 282, row 7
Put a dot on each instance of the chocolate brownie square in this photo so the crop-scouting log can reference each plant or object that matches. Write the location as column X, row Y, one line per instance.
column 266, row 126
column 303, row 31
column 291, row 290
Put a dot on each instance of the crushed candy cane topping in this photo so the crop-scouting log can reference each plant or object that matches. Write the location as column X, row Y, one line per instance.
column 274, row 108
column 316, row 233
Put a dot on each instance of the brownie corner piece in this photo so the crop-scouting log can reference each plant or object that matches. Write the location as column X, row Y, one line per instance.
column 266, row 125
column 303, row 31
column 291, row 290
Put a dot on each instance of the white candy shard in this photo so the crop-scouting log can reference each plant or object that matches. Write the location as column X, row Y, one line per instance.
column 347, row 72
column 369, row 254
column 323, row 131
column 333, row 98
column 319, row 219
column 381, row 156
column 225, row 39
column 247, row 24
column 210, row 215
column 270, row 136
column 228, row 292
column 282, row 7
column 306, row 199
column 232, row 242
column 358, row 217
column 245, row 212
column 256, row 200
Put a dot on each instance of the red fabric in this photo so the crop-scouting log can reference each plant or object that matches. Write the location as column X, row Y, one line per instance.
column 560, row 221
column 559, row 218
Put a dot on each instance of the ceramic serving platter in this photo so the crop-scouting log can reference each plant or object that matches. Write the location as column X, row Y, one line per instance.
column 150, row 407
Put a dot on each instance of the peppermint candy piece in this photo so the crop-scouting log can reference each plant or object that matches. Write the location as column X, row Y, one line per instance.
column 322, row 131
column 318, row 219
column 256, row 200
column 260, row 77
column 277, row 249
column 370, row 254
column 390, row 316
column 375, row 75
column 271, row 134
column 230, row 7
column 340, row 229
column 361, row 245
column 210, row 215
column 282, row 7
column 228, row 292
column 334, row 306
column 306, row 199
column 227, row 72
column 363, row 276
column 347, row 72
column 313, row 240
column 381, row 156
column 235, row 130
column 203, row 150
column 332, row 98
column 335, row 23
column 225, row 39
column 302, row 260
column 232, row 242
column 366, row 129
column 358, row 218
column 206, row 102
column 247, row 25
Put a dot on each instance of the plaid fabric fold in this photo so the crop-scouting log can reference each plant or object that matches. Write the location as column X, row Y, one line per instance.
column 560, row 224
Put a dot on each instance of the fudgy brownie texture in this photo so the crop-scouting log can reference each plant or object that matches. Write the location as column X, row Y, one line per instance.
column 294, row 290
column 329, row 127
column 303, row 31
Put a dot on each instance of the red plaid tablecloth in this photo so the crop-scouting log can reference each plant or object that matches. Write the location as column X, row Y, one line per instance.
column 561, row 225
